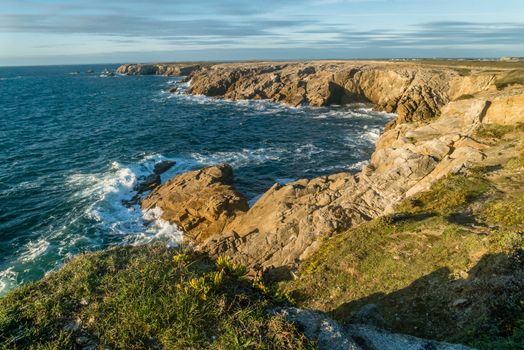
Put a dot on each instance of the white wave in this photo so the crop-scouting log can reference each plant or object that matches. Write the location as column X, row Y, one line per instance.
column 12, row 78
column 110, row 190
column 345, row 167
column 308, row 150
column 34, row 249
column 241, row 158
column 372, row 134
column 159, row 229
column 7, row 280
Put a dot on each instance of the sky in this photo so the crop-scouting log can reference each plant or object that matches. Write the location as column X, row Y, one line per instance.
column 45, row 32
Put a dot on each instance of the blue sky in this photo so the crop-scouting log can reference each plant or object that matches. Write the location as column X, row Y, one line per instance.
column 92, row 31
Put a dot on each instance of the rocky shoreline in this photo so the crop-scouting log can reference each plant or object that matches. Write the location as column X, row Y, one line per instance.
column 444, row 180
column 425, row 242
column 438, row 108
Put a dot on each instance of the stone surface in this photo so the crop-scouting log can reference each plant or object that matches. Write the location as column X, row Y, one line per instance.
column 326, row 333
column 163, row 166
column 329, row 335
column 432, row 136
column 171, row 69
column 200, row 202
column 368, row 315
column 506, row 109
column 415, row 92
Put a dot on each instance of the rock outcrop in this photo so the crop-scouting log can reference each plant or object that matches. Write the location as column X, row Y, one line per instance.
column 415, row 92
column 201, row 202
column 169, row 69
column 433, row 135
column 329, row 335
column 286, row 224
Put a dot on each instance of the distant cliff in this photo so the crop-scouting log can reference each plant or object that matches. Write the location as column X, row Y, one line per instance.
column 169, row 69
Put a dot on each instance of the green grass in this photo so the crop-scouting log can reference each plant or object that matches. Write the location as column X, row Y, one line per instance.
column 144, row 298
column 507, row 212
column 494, row 131
column 416, row 263
column 510, row 78
column 446, row 196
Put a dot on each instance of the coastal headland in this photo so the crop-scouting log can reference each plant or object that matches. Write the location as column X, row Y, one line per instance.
column 425, row 240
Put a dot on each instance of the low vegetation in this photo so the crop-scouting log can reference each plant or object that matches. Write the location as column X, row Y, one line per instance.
column 511, row 78
column 144, row 298
column 447, row 195
column 448, row 265
column 464, row 97
column 495, row 131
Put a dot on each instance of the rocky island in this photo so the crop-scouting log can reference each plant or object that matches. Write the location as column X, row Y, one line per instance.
column 426, row 240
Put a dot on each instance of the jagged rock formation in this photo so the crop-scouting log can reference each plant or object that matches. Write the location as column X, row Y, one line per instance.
column 438, row 111
column 415, row 92
column 171, row 69
column 200, row 202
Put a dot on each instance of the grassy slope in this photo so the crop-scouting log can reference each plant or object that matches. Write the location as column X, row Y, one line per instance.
column 139, row 298
column 448, row 265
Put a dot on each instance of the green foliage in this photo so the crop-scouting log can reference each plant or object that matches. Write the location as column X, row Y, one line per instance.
column 464, row 97
column 493, row 131
column 447, row 195
column 510, row 78
column 143, row 298
column 417, row 263
column 507, row 212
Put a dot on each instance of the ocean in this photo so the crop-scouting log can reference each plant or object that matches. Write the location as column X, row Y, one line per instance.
column 74, row 144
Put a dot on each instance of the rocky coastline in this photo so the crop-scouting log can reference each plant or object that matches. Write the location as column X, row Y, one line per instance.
column 425, row 242
column 438, row 111
column 452, row 120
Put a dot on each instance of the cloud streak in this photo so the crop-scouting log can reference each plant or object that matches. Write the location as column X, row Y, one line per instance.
column 164, row 25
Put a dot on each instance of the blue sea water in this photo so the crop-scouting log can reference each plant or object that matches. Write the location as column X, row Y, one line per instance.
column 72, row 147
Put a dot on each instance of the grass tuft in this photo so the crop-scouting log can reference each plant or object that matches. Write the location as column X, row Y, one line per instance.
column 447, row 195
column 513, row 77
column 493, row 131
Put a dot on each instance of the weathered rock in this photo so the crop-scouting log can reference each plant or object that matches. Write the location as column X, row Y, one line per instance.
column 329, row 335
column 370, row 337
column 201, row 202
column 414, row 92
column 431, row 137
column 326, row 333
column 168, row 69
column 368, row 315
column 173, row 89
column 286, row 224
column 163, row 166
column 147, row 183
column 506, row 109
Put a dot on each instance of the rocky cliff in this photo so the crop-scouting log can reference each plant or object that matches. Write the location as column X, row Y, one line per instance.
column 168, row 69
column 439, row 109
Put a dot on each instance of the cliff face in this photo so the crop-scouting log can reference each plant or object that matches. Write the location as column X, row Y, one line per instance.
column 170, row 69
column 439, row 109
column 414, row 92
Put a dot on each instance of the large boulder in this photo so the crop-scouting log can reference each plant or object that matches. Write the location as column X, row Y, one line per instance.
column 200, row 202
